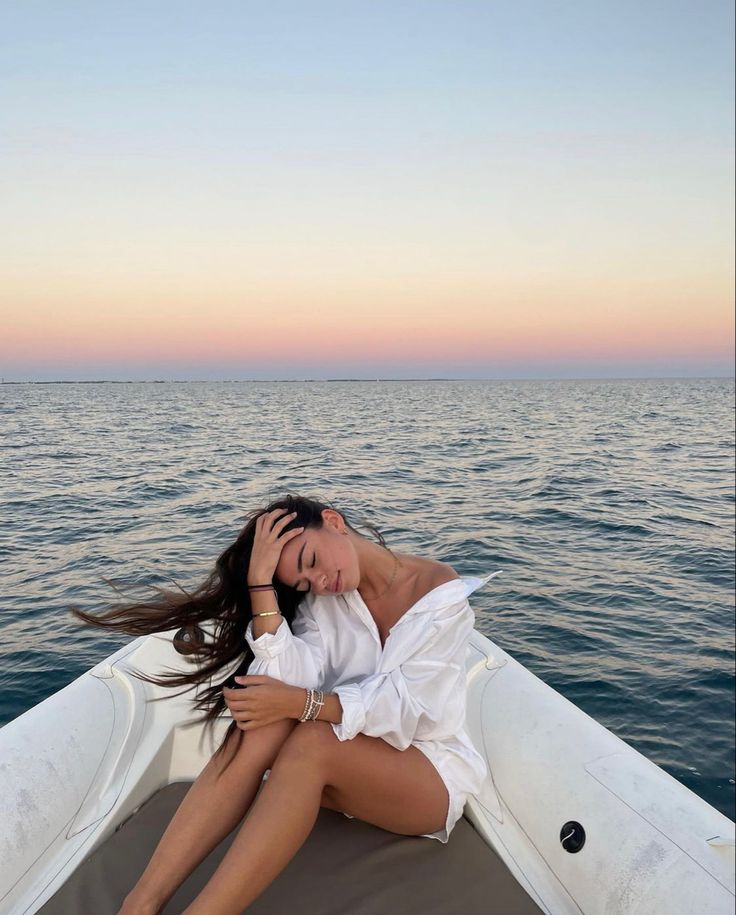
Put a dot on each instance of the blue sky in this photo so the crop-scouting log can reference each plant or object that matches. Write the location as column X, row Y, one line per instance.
column 335, row 167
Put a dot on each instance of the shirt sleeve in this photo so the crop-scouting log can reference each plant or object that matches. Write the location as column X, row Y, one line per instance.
column 424, row 697
column 296, row 656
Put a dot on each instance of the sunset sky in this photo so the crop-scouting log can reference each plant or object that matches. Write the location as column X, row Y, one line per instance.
column 367, row 189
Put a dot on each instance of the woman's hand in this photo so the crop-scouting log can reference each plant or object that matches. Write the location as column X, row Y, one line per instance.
column 268, row 543
column 264, row 701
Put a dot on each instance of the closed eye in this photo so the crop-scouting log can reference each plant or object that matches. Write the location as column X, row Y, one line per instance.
column 312, row 565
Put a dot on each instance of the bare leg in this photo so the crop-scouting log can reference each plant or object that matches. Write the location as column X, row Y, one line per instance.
column 397, row 790
column 281, row 820
column 214, row 805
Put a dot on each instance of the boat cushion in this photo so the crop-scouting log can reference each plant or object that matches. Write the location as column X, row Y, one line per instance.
column 346, row 867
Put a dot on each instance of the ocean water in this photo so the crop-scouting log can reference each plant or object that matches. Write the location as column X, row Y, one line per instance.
column 609, row 505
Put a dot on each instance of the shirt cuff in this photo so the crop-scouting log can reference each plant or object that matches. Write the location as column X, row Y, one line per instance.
column 269, row 644
column 353, row 711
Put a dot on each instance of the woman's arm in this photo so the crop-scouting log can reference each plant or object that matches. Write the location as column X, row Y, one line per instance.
column 296, row 656
column 330, row 711
column 264, row 602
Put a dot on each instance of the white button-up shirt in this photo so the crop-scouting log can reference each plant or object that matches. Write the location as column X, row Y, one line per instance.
column 411, row 691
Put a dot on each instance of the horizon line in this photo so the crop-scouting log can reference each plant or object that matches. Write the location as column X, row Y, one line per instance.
column 370, row 379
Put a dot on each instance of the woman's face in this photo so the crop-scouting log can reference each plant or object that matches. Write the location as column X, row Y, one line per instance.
column 320, row 560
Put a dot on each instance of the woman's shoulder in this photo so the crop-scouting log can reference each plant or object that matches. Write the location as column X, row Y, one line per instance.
column 428, row 574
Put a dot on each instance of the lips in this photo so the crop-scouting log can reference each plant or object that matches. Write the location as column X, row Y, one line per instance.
column 336, row 586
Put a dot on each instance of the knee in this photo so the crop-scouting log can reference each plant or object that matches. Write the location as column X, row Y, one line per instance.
column 261, row 744
column 309, row 742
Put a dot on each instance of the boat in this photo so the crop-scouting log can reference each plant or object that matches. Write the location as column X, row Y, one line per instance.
column 570, row 820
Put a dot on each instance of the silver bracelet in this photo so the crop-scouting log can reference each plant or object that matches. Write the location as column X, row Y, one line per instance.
column 312, row 705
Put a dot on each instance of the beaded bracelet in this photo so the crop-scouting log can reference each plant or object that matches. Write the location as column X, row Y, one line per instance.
column 313, row 704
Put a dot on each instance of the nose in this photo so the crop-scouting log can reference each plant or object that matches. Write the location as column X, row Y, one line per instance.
column 321, row 581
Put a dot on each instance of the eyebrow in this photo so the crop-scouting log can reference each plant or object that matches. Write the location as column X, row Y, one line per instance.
column 299, row 564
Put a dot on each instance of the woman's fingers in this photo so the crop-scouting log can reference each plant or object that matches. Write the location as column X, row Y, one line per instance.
column 244, row 719
column 269, row 540
column 236, row 697
column 243, row 709
column 240, row 708
column 269, row 517
column 273, row 517
column 289, row 535
column 282, row 522
column 239, row 712
column 234, row 704
column 273, row 532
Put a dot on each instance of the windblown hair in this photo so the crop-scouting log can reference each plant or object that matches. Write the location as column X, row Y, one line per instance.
column 222, row 598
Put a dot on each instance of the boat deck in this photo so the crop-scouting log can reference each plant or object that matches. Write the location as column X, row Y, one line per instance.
column 346, row 867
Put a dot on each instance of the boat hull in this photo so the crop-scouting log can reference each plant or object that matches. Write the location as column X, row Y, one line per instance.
column 80, row 763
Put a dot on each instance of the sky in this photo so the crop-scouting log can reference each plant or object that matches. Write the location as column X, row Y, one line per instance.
column 404, row 189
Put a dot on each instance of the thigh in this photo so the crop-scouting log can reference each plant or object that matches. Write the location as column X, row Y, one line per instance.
column 397, row 790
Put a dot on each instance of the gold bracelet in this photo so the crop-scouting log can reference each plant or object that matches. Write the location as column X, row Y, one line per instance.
column 270, row 613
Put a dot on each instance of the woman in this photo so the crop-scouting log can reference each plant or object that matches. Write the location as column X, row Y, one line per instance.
column 354, row 700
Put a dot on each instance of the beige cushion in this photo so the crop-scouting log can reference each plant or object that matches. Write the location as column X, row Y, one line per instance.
column 346, row 867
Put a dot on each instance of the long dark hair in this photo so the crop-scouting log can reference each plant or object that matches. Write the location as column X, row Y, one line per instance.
column 223, row 598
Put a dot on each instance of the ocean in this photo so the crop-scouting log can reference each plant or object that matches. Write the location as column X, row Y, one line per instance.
column 609, row 505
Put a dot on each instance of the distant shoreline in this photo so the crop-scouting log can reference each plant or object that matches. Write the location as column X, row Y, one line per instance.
column 373, row 380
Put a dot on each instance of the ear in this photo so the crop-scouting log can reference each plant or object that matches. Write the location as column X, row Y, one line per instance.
column 333, row 518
